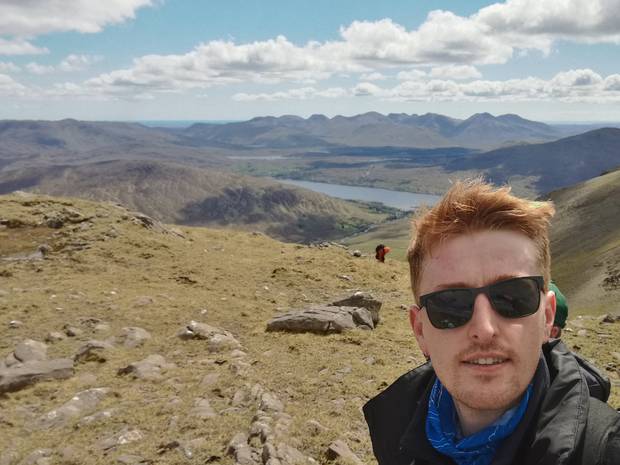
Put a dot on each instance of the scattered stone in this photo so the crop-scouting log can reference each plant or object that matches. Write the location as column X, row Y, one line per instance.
column 124, row 436
column 315, row 428
column 127, row 459
column 340, row 450
column 209, row 380
column 238, row 354
column 270, row 403
column 345, row 277
column 202, row 409
column 240, row 368
column 81, row 404
column 14, row 324
column 72, row 331
column 322, row 319
column 611, row 318
column 144, row 301
column 356, row 253
column 582, row 333
column 38, row 457
column 29, row 350
column 218, row 339
column 616, row 355
column 148, row 369
column 55, row 336
column 364, row 300
column 93, row 351
column 20, row 376
column 132, row 337
column 240, row 450
column 101, row 328
column 96, row 418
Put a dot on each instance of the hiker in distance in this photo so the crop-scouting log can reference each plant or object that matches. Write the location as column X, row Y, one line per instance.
column 381, row 251
column 495, row 390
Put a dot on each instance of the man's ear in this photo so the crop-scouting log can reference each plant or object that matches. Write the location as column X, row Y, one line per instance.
column 417, row 325
column 549, row 312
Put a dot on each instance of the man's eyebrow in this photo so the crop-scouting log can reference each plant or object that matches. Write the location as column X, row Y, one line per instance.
column 464, row 285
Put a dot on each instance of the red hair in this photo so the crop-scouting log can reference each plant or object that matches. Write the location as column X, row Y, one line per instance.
column 474, row 205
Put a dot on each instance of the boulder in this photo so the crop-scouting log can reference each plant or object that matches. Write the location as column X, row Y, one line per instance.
column 202, row 409
column 29, row 350
column 322, row 319
column 364, row 300
column 19, row 376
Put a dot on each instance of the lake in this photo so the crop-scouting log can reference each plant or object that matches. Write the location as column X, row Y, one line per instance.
column 396, row 199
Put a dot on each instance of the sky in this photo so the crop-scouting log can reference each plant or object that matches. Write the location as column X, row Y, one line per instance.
column 136, row 60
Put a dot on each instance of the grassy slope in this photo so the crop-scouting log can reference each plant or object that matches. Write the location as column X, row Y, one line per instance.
column 586, row 244
column 241, row 280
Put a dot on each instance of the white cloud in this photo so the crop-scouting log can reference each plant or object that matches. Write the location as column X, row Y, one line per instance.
column 36, row 17
column 456, row 72
column 77, row 62
column 36, row 68
column 373, row 77
column 10, row 87
column 366, row 89
column 19, row 47
column 302, row 93
column 412, row 75
column 70, row 64
column 581, row 85
column 8, row 67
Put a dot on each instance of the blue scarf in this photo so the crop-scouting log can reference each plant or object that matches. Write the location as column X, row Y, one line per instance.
column 443, row 431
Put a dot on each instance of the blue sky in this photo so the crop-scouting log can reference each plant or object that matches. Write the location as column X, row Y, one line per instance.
column 548, row 60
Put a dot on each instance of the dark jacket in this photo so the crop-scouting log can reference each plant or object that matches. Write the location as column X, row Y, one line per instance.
column 553, row 430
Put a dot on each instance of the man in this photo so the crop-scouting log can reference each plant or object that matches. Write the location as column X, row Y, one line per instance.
column 494, row 391
column 561, row 311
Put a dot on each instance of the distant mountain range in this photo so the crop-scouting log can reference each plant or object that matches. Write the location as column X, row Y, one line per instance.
column 481, row 131
column 192, row 196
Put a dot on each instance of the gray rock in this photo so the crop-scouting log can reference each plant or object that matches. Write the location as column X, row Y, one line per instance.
column 240, row 450
column 124, row 436
column 72, row 331
column 322, row 319
column 14, row 324
column 132, row 337
column 18, row 377
column 340, row 450
column 290, row 455
column 209, row 380
column 356, row 253
column 127, row 459
column 8, row 457
column 81, row 404
column 38, row 457
column 55, row 336
column 93, row 351
column 98, row 417
column 315, row 428
column 611, row 318
column 202, row 409
column 364, row 300
column 218, row 339
column 151, row 368
column 270, row 403
column 29, row 350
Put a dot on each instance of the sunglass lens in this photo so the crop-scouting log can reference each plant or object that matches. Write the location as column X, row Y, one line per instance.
column 515, row 298
column 450, row 308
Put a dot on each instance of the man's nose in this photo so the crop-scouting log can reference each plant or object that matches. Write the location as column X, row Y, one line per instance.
column 483, row 326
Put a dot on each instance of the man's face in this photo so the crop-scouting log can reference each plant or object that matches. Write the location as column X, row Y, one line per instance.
column 475, row 260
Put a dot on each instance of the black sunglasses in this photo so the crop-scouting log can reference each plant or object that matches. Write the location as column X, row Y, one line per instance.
column 512, row 298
